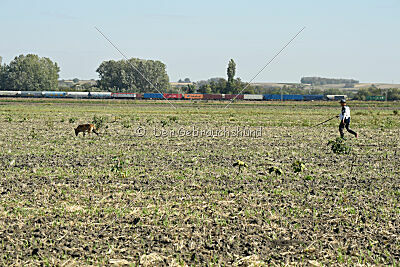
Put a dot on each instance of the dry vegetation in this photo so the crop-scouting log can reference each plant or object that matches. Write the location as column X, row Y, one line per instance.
column 121, row 199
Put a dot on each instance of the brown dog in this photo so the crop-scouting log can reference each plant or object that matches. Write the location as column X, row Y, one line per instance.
column 85, row 128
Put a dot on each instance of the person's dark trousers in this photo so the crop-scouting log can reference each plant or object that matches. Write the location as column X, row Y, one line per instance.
column 346, row 125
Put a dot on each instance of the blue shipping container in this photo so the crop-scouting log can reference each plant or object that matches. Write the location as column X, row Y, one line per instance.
column 153, row 95
column 272, row 97
column 292, row 97
column 313, row 97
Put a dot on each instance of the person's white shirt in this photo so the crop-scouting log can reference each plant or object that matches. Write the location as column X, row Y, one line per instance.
column 345, row 114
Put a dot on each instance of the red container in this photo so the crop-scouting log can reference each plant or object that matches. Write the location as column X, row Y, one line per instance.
column 173, row 96
column 139, row 96
column 229, row 96
column 212, row 96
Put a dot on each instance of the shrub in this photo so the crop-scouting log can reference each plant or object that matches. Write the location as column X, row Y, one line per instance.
column 298, row 166
column 339, row 146
column 99, row 121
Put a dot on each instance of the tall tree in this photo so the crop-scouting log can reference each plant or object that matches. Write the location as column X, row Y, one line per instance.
column 231, row 71
column 120, row 76
column 29, row 73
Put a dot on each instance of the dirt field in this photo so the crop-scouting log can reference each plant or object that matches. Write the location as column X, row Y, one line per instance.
column 158, row 185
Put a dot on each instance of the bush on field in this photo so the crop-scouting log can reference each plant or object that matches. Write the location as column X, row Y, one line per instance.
column 339, row 146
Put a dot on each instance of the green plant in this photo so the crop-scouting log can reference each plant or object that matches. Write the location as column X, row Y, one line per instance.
column 298, row 166
column 240, row 164
column 99, row 121
column 173, row 118
column 339, row 146
column 72, row 120
column 118, row 167
column 308, row 178
column 164, row 123
column 126, row 124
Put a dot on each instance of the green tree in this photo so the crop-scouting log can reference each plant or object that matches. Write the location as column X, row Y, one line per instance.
column 205, row 89
column 231, row 71
column 30, row 73
column 3, row 77
column 190, row 89
column 120, row 76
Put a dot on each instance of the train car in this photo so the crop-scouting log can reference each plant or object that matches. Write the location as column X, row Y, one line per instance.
column 293, row 97
column 173, row 96
column 101, row 95
column 272, row 97
column 139, row 96
column 212, row 97
column 77, row 94
column 193, row 96
column 31, row 93
column 336, row 97
column 231, row 96
column 375, row 98
column 54, row 94
column 10, row 93
column 153, row 96
column 123, row 95
column 253, row 97
column 313, row 97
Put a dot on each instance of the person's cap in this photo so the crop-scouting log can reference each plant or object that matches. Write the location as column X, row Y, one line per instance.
column 342, row 101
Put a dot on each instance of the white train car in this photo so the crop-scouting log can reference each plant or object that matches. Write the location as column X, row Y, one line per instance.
column 253, row 97
column 10, row 93
column 336, row 97
column 77, row 94
column 100, row 94
column 124, row 95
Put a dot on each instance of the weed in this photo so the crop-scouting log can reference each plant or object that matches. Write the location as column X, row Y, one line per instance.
column 126, row 124
column 298, row 166
column 308, row 178
column 119, row 167
column 99, row 121
column 164, row 123
column 173, row 118
column 72, row 120
column 339, row 146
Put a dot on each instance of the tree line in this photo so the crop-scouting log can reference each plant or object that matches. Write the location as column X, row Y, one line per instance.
column 323, row 81
column 33, row 73
column 391, row 94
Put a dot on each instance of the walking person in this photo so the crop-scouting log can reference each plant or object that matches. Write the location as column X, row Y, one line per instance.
column 345, row 119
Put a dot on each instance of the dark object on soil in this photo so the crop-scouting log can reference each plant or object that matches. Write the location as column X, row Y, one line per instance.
column 276, row 170
column 241, row 164
column 35, row 251
column 298, row 166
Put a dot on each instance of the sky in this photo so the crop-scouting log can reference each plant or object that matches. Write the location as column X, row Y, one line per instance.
column 196, row 39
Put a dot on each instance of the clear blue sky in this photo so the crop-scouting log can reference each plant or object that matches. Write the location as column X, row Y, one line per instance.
column 345, row 39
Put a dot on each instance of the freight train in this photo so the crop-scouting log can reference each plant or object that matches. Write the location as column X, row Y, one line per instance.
column 169, row 96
